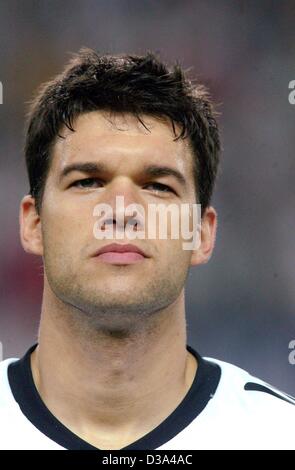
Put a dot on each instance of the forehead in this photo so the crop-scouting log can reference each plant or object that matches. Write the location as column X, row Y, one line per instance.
column 117, row 138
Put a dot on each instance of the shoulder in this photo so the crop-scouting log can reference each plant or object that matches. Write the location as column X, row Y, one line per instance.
column 235, row 380
column 6, row 397
column 264, row 410
column 244, row 413
column 9, row 410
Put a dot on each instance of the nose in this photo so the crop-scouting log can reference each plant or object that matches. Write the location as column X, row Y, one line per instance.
column 125, row 205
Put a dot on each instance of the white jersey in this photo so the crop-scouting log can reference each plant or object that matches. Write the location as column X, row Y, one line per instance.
column 225, row 408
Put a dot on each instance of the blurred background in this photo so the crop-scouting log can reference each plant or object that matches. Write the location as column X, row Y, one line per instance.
column 241, row 305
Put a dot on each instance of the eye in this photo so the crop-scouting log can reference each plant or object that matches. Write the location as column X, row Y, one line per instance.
column 87, row 183
column 163, row 188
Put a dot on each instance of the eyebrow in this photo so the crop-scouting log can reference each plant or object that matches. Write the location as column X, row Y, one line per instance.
column 149, row 170
column 87, row 167
column 159, row 170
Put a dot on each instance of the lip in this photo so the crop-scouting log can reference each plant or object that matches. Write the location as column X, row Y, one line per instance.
column 119, row 253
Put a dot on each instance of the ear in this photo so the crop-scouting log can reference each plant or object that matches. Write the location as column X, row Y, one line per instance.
column 203, row 253
column 30, row 226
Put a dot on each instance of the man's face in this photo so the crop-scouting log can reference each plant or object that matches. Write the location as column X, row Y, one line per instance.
column 111, row 293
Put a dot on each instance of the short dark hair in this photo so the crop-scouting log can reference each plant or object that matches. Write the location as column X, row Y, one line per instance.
column 141, row 85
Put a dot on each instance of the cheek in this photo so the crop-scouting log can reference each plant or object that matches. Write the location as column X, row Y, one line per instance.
column 172, row 254
column 69, row 215
column 67, row 230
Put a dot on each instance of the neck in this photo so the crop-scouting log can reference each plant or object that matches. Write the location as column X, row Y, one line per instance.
column 112, row 389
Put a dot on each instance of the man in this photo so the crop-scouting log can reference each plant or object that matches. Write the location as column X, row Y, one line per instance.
column 112, row 369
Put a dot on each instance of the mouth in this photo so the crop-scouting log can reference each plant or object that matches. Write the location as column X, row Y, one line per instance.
column 120, row 254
